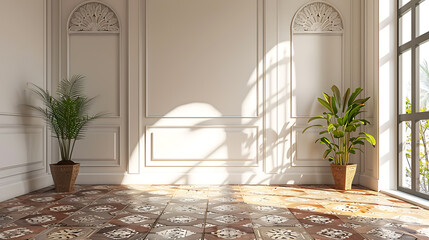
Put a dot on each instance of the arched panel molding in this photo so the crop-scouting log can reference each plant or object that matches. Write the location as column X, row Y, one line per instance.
column 317, row 62
column 94, row 43
column 93, row 31
column 317, row 55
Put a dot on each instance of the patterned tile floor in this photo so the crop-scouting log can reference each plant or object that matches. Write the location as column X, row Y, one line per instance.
column 158, row 212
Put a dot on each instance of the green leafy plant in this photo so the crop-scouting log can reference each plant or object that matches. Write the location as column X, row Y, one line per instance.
column 66, row 114
column 341, row 123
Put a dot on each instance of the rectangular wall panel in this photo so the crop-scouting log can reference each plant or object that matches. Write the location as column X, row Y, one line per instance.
column 317, row 65
column 22, row 149
column 96, row 56
column 305, row 151
column 22, row 56
column 99, row 147
column 203, row 55
column 202, row 146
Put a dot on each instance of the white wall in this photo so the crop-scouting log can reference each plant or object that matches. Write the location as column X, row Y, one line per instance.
column 380, row 163
column 24, row 141
column 385, row 32
column 207, row 91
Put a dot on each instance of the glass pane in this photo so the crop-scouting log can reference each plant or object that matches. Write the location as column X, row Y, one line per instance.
column 423, row 75
column 405, row 82
column 405, row 154
column 423, row 179
column 403, row 2
column 405, row 28
column 423, row 17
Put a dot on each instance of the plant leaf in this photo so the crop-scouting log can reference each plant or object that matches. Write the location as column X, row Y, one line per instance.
column 337, row 95
column 338, row 134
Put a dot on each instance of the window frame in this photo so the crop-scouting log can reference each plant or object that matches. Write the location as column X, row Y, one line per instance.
column 415, row 116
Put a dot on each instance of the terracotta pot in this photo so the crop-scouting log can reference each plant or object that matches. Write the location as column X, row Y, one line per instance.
column 343, row 175
column 64, row 176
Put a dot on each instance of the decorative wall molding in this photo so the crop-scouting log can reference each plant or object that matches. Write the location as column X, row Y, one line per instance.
column 93, row 17
column 318, row 20
column 297, row 160
column 31, row 134
column 109, row 135
column 152, row 161
column 317, row 17
column 84, row 24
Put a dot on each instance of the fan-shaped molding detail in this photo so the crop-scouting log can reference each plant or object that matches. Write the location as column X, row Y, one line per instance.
column 318, row 17
column 94, row 17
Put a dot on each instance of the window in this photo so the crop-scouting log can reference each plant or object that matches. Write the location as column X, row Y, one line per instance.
column 413, row 97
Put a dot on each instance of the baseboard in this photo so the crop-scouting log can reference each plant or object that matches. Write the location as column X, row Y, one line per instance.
column 369, row 182
column 194, row 178
column 23, row 187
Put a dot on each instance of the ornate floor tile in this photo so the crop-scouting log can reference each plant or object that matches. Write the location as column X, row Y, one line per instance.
column 229, row 233
column 62, row 208
column 140, row 222
column 15, row 233
column 332, row 232
column 275, row 219
column 145, row 208
column 223, row 212
column 78, row 233
column 43, row 199
column 87, row 219
column 20, row 232
column 226, row 199
column 23, row 209
column 223, row 208
column 41, row 219
column 78, row 199
column 92, row 192
column 284, row 233
column 103, row 208
column 266, row 209
column 188, row 200
column 125, row 232
column 186, row 208
column 228, row 219
column 179, row 219
column 175, row 232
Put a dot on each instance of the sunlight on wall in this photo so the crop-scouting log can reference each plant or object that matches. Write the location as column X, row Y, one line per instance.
column 194, row 110
column 387, row 103
column 197, row 143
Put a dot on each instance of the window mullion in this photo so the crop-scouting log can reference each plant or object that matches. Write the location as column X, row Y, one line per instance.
column 415, row 105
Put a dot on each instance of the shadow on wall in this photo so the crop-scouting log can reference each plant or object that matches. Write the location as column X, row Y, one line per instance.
column 226, row 145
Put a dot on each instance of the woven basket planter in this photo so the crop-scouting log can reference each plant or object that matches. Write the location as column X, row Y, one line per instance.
column 343, row 175
column 64, row 176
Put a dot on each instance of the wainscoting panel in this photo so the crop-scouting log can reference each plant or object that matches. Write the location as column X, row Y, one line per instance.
column 99, row 148
column 22, row 149
column 307, row 152
column 202, row 146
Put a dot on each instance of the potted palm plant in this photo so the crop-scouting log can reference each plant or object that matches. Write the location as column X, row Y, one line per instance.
column 66, row 115
column 340, row 134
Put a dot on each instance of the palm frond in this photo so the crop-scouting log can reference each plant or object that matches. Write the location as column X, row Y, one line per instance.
column 67, row 114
